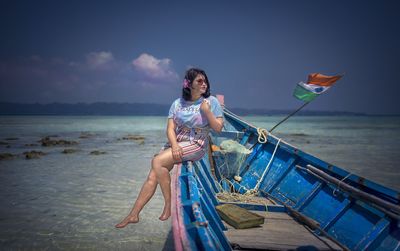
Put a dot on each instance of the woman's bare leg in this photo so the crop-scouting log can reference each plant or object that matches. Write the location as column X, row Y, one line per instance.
column 147, row 191
column 162, row 164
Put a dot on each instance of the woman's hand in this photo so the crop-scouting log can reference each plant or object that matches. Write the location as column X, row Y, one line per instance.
column 205, row 106
column 215, row 123
column 177, row 152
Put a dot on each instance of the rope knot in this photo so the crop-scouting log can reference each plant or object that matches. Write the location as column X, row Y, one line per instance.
column 262, row 135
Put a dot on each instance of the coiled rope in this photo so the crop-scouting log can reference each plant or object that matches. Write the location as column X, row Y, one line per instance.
column 262, row 135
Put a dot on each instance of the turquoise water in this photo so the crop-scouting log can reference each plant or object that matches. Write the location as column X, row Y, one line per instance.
column 72, row 201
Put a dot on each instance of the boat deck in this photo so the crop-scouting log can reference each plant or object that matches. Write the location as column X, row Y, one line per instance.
column 279, row 232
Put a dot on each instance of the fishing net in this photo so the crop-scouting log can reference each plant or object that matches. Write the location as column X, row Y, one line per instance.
column 234, row 156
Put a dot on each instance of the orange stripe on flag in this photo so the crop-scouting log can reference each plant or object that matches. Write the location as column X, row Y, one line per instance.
column 322, row 80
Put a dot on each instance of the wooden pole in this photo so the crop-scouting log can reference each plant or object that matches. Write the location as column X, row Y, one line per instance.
column 354, row 191
column 386, row 211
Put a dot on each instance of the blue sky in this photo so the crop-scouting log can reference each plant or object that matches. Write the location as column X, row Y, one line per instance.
column 254, row 52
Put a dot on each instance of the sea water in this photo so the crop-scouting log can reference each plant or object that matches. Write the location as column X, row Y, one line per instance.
column 72, row 201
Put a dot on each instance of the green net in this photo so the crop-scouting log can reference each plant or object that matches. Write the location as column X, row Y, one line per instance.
column 231, row 146
column 234, row 156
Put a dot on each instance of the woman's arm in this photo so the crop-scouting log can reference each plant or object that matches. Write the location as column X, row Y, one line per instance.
column 171, row 135
column 215, row 123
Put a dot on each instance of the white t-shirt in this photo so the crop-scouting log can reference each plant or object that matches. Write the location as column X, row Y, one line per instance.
column 188, row 114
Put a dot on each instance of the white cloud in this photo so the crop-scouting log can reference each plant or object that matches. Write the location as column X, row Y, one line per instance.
column 100, row 60
column 98, row 76
column 156, row 69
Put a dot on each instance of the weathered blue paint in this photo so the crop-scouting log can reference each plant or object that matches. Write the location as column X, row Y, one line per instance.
column 202, row 222
column 375, row 235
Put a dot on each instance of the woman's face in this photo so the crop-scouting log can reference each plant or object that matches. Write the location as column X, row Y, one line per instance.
column 199, row 84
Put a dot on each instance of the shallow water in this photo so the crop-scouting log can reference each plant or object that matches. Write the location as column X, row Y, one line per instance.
column 72, row 201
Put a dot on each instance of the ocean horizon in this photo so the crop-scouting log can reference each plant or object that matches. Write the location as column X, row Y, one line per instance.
column 147, row 109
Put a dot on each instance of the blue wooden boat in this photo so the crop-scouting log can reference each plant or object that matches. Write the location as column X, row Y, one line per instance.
column 308, row 204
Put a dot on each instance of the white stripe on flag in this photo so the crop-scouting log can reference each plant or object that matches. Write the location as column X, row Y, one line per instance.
column 317, row 89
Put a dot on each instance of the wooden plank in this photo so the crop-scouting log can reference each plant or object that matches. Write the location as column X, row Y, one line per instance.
column 279, row 232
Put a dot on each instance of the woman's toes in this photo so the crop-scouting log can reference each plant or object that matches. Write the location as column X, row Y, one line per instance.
column 127, row 221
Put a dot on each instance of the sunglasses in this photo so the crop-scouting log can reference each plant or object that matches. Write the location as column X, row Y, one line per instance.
column 201, row 81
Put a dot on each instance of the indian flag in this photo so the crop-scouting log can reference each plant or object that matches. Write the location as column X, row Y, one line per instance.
column 317, row 83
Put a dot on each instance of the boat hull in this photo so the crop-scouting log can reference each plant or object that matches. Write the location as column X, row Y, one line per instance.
column 347, row 210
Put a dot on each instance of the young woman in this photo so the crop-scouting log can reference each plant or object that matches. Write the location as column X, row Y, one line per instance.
column 189, row 121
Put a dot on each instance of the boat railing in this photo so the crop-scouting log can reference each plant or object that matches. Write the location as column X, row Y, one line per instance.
column 198, row 215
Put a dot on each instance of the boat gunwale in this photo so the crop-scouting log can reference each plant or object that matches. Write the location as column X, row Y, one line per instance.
column 181, row 241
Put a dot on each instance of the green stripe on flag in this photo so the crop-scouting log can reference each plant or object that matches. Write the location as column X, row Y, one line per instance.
column 304, row 94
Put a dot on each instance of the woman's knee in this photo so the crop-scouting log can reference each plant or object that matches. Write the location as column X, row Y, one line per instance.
column 155, row 161
column 162, row 160
column 152, row 177
column 156, row 166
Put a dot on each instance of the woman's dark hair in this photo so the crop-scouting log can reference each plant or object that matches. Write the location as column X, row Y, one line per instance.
column 190, row 75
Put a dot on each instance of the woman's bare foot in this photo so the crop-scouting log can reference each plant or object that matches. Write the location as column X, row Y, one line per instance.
column 128, row 219
column 164, row 217
column 166, row 213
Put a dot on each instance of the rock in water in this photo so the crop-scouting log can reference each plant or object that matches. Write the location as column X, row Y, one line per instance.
column 70, row 150
column 97, row 152
column 34, row 154
column 5, row 156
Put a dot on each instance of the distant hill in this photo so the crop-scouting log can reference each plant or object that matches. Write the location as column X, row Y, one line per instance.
column 249, row 112
column 131, row 109
column 99, row 108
